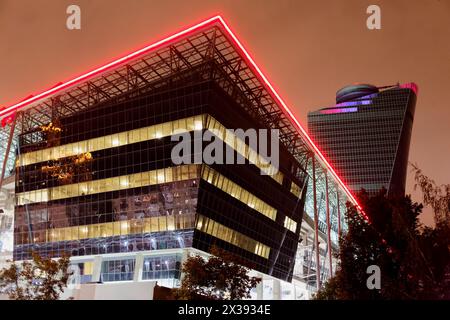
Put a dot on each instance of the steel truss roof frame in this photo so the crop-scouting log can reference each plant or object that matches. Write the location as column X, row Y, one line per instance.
column 142, row 69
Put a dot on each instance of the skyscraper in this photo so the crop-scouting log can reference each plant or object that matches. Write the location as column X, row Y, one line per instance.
column 366, row 135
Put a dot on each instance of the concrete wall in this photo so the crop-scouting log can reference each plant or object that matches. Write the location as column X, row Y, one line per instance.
column 112, row 291
column 6, row 221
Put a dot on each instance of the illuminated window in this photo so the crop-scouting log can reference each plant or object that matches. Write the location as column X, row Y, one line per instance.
column 237, row 192
column 224, row 233
column 118, row 270
column 110, row 184
column 290, row 224
column 126, row 227
column 239, row 145
column 111, row 141
column 295, row 189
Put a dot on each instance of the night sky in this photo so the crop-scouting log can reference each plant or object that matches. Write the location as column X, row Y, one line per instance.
column 309, row 49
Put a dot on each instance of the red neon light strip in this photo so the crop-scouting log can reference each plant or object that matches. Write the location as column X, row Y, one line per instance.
column 291, row 115
column 106, row 67
column 174, row 37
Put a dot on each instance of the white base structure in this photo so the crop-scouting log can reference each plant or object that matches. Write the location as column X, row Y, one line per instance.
column 6, row 220
column 122, row 276
column 127, row 290
column 89, row 282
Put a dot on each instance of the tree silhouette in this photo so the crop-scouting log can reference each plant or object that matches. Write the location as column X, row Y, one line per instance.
column 223, row 276
column 413, row 260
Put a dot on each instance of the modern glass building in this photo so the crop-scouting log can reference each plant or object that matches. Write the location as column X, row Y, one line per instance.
column 107, row 184
column 95, row 177
column 366, row 135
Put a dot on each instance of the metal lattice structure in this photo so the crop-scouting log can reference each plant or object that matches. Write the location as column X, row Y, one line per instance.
column 213, row 51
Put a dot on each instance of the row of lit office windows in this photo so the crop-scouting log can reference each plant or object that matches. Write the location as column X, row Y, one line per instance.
column 136, row 180
column 119, row 228
column 143, row 179
column 113, row 140
column 149, row 133
column 242, row 148
column 128, row 227
column 217, row 230
column 237, row 192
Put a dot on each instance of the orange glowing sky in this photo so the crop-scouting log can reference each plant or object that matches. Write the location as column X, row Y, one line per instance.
column 309, row 49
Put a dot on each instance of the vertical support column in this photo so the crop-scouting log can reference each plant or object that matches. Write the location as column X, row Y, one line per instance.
column 339, row 212
column 260, row 289
column 316, row 224
column 8, row 147
column 330, row 247
column 138, row 267
column 276, row 289
column 185, row 254
column 96, row 268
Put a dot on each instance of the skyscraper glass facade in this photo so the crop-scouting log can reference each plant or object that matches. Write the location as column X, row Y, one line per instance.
column 367, row 137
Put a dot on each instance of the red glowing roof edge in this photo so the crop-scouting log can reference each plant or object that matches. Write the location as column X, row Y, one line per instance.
column 8, row 111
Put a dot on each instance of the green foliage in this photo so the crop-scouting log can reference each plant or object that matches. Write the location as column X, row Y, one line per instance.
column 223, row 276
column 39, row 279
column 414, row 261
column 438, row 197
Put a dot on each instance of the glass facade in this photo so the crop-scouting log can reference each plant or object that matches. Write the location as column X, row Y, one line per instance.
column 137, row 180
column 156, row 131
column 367, row 139
column 162, row 267
column 118, row 270
column 237, row 192
column 103, row 182
column 237, row 239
